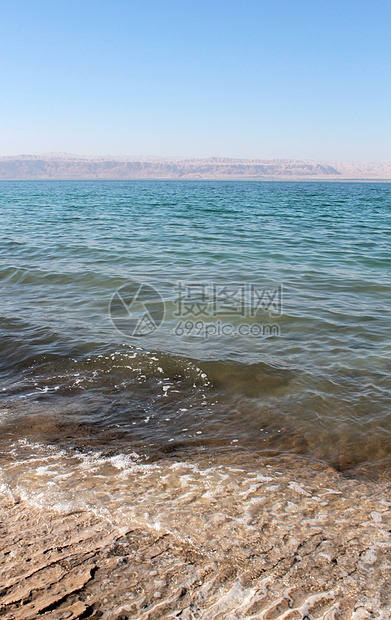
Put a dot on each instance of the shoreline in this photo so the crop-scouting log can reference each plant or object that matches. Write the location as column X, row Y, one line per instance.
column 279, row 541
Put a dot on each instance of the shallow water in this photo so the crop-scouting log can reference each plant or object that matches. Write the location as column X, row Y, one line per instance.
column 212, row 536
column 270, row 323
column 207, row 362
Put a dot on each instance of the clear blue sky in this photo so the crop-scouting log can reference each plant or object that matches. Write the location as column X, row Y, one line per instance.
column 249, row 78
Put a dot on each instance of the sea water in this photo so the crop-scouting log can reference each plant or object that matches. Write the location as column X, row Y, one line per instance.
column 187, row 319
column 179, row 316
column 210, row 359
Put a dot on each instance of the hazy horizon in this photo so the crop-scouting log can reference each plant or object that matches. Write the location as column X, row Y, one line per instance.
column 135, row 156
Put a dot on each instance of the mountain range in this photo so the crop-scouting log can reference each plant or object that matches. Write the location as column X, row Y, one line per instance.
column 66, row 166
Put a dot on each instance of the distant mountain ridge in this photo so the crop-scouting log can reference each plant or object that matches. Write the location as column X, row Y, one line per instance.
column 67, row 166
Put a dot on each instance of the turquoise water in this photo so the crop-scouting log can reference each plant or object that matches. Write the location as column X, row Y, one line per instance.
column 269, row 330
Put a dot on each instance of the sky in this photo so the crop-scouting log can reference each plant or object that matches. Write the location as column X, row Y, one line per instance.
column 197, row 78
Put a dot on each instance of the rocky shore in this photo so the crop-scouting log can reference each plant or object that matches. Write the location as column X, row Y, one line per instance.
column 308, row 544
